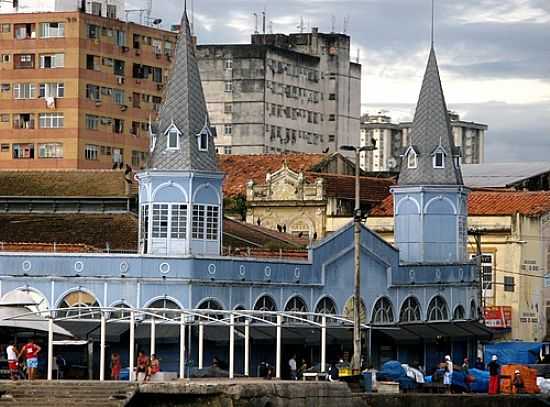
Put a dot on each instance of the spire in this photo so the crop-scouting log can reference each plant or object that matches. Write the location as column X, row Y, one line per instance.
column 431, row 134
column 184, row 113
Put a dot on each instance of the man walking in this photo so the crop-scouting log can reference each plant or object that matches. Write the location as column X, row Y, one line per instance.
column 494, row 375
column 293, row 369
column 13, row 364
column 31, row 351
column 448, row 375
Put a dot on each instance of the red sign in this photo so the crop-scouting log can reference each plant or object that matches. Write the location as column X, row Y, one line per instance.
column 498, row 317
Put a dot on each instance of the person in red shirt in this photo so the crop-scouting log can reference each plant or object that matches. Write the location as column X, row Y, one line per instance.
column 31, row 351
column 115, row 366
column 154, row 367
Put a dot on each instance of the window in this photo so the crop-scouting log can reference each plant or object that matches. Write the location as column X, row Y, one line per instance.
column 118, row 156
column 120, row 38
column 136, row 158
column 487, row 271
column 52, row 61
column 325, row 306
column 412, row 160
column 23, row 151
column 173, row 140
column 6, row 58
column 203, row 141
column 5, row 28
column 118, row 96
column 295, row 304
column 228, row 64
column 4, row 117
column 96, row 8
column 437, row 310
column 410, row 311
column 227, row 129
column 227, row 149
column 266, row 304
column 228, row 108
column 331, row 117
column 92, row 122
column 509, row 284
column 23, row 121
column 111, row 11
column 198, row 221
column 53, row 90
column 439, row 160
column 4, row 148
column 383, row 312
column 160, row 221
column 24, row 31
column 118, row 126
column 52, row 30
column 93, row 62
column 50, row 150
column 459, row 314
column 228, row 86
column 332, row 96
column 77, row 304
column 90, row 152
column 179, row 222
column 157, row 75
column 51, row 120
column 23, row 61
column 23, row 90
column 118, row 68
column 212, row 221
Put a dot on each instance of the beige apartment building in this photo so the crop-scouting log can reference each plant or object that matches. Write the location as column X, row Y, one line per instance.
column 282, row 93
column 78, row 90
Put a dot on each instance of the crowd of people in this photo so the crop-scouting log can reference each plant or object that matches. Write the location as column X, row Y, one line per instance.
column 23, row 362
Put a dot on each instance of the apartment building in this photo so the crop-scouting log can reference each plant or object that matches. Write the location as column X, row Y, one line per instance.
column 282, row 93
column 78, row 88
column 391, row 138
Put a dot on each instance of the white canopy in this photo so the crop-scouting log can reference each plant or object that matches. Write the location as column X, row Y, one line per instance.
column 18, row 316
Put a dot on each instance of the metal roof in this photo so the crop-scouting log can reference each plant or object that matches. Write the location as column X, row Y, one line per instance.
column 502, row 174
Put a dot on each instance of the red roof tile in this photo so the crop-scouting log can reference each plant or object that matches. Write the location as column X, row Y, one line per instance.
column 491, row 203
column 239, row 169
column 343, row 186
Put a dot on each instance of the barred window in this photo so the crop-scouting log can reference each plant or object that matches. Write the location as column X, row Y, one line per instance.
column 179, row 222
column 211, row 223
column 160, row 221
column 198, row 221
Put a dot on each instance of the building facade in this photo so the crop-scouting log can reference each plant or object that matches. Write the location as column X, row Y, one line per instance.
column 282, row 93
column 78, row 90
column 392, row 138
column 102, row 8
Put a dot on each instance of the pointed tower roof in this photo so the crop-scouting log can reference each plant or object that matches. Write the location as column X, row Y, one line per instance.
column 431, row 133
column 184, row 111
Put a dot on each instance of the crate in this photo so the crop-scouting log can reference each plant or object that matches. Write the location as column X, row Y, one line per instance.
column 387, row 387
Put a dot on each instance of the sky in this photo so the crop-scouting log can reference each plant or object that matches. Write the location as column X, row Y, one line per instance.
column 494, row 55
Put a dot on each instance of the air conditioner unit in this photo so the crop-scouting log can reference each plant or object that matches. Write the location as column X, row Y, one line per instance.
column 125, row 49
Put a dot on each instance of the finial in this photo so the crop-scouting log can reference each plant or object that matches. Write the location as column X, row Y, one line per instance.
column 433, row 22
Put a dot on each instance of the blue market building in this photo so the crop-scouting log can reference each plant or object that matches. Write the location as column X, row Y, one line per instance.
column 420, row 298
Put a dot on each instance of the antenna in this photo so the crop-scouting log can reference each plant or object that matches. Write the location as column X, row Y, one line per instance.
column 433, row 22
column 346, row 24
column 263, row 20
column 255, row 23
column 270, row 26
column 301, row 26
column 149, row 11
column 332, row 24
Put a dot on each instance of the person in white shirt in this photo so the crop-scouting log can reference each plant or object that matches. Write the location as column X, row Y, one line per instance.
column 448, row 375
column 293, row 369
column 13, row 365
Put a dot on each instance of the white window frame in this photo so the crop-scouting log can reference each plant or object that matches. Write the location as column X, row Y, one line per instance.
column 50, row 150
column 228, row 86
column 228, row 64
column 178, row 221
column 57, row 61
column 46, row 30
column 23, row 90
column 91, row 152
column 202, row 140
column 160, row 215
column 227, row 129
column 442, row 155
column 412, row 160
column 206, row 222
column 169, row 135
column 92, row 122
column 54, row 120
column 52, row 89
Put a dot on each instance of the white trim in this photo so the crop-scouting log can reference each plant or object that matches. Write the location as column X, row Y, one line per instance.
column 162, row 297
column 408, row 198
column 169, row 184
column 170, row 129
column 75, row 289
column 294, row 296
column 434, row 160
column 203, row 186
column 203, row 300
column 440, row 198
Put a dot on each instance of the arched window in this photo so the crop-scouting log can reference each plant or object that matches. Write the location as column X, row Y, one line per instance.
column 412, row 160
column 410, row 311
column 266, row 304
column 348, row 311
column 33, row 300
column 437, row 310
column 474, row 314
column 325, row 306
column 296, row 304
column 165, row 304
column 382, row 312
column 77, row 304
column 123, row 312
column 459, row 314
column 212, row 304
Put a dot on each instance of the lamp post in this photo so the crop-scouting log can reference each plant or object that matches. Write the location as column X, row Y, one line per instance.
column 357, row 216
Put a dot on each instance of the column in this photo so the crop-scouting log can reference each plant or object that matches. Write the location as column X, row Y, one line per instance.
column 182, row 346
column 102, row 348
column 201, row 343
column 153, row 336
column 131, row 345
column 278, row 353
column 50, row 347
column 231, row 346
column 247, row 347
column 323, row 344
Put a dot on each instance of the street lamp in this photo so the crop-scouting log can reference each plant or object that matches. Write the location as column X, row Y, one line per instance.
column 357, row 216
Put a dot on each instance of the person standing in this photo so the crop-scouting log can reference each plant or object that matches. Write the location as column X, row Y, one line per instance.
column 142, row 364
column 479, row 365
column 494, row 375
column 115, row 366
column 31, row 351
column 61, row 366
column 293, row 368
column 518, row 383
column 448, row 375
column 13, row 364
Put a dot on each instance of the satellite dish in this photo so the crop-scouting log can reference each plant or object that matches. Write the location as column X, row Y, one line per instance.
column 392, row 162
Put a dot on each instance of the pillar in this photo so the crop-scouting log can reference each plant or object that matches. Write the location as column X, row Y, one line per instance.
column 323, row 344
column 102, row 348
column 231, row 346
column 131, row 346
column 278, row 352
column 201, row 343
column 50, row 348
column 247, row 347
column 153, row 336
column 182, row 346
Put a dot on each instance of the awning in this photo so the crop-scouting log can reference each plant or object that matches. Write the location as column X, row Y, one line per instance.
column 20, row 317
column 432, row 330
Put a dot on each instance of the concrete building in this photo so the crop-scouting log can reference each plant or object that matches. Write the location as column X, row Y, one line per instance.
column 392, row 138
column 102, row 8
column 77, row 90
column 180, row 286
column 297, row 93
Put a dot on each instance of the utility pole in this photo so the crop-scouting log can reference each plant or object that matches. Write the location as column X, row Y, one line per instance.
column 477, row 238
column 357, row 218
